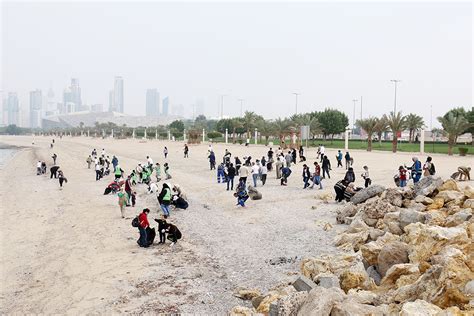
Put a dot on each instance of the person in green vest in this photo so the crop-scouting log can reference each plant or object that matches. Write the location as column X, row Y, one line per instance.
column 165, row 199
column 122, row 201
column 118, row 172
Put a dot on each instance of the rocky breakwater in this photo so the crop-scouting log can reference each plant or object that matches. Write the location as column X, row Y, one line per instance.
column 406, row 251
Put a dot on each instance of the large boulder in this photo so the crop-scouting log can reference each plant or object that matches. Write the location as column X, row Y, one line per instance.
column 419, row 308
column 469, row 192
column 435, row 218
column 438, row 202
column 469, row 203
column 354, row 240
column 427, row 185
column 393, row 196
column 459, row 218
column 392, row 253
column 401, row 274
column 449, row 185
column 392, row 224
column 290, row 304
column 409, row 216
column 356, row 278
column 349, row 210
column 373, row 210
column 241, row 311
column 370, row 251
column 425, row 241
column 451, row 195
column 366, row 193
column 351, row 307
column 320, row 301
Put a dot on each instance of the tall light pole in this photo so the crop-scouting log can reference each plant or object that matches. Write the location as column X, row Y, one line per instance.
column 241, row 106
column 354, row 115
column 296, row 101
column 222, row 105
column 395, row 81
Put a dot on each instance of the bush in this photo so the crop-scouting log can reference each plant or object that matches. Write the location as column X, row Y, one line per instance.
column 214, row 135
column 463, row 151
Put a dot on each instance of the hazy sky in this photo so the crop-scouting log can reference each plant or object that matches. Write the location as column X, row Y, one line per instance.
column 262, row 52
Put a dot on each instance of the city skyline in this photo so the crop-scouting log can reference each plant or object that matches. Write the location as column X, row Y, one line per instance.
column 261, row 64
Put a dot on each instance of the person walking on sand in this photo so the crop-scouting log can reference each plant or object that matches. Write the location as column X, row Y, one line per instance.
column 347, row 157
column 186, row 151
column 365, row 175
column 54, row 156
column 54, row 171
column 326, row 166
column 339, row 159
column 162, row 225
column 230, row 177
column 306, row 176
column 38, row 168
column 118, row 172
column 322, row 151
column 263, row 174
column 89, row 162
column 317, row 176
column 288, row 159
column 114, row 161
column 142, row 226
column 167, row 169
column 158, row 172
column 212, row 160
column 165, row 152
column 220, row 173
column 165, row 199
column 122, row 201
column 243, row 173
column 62, row 178
column 255, row 173
column 278, row 167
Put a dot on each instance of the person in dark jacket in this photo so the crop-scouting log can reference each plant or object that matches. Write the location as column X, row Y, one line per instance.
column 54, row 171
column 350, row 176
column 293, row 155
column 306, row 176
column 230, row 177
column 326, row 166
column 285, row 173
column 238, row 164
column 340, row 187
column 162, row 225
column 173, row 234
column 62, row 178
column 165, row 199
column 212, row 160
column 347, row 157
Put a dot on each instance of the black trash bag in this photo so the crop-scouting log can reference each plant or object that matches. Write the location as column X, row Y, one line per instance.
column 150, row 234
column 107, row 190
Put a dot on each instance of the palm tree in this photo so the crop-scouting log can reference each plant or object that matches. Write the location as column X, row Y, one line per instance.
column 282, row 129
column 249, row 121
column 413, row 123
column 396, row 123
column 381, row 127
column 453, row 125
column 368, row 125
column 236, row 124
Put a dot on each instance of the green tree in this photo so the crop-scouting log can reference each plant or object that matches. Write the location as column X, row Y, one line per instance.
column 249, row 120
column 178, row 125
column 413, row 124
column 453, row 125
column 368, row 125
column 396, row 123
column 332, row 122
column 381, row 127
column 282, row 128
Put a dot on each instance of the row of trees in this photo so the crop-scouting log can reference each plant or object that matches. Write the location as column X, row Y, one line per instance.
column 455, row 123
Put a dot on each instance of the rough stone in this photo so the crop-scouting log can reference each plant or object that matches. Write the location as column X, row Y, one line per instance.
column 351, row 307
column 362, row 296
column 423, row 199
column 371, row 211
column 438, row 202
column 449, row 185
column 371, row 250
column 396, row 271
column 246, row 294
column 469, row 192
column 320, row 301
column 328, row 280
column 469, row 203
column 366, row 193
column 427, row 185
column 355, row 278
column 271, row 297
column 408, row 216
column 375, row 233
column 393, row 196
column 289, row 305
column 458, row 218
column 356, row 226
column 355, row 239
column 304, row 284
column 241, row 311
column 435, row 218
column 451, row 195
column 374, row 275
column 419, row 308
column 349, row 210
column 392, row 253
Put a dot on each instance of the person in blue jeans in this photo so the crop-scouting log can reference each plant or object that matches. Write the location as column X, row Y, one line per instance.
column 317, row 176
column 306, row 176
column 416, row 170
column 220, row 173
column 230, row 177
column 255, row 173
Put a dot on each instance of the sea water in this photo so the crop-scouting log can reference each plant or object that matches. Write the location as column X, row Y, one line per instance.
column 5, row 155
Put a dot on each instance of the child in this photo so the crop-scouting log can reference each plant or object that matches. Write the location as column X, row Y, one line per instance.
column 134, row 198
column 167, row 168
column 162, row 225
column 402, row 174
column 61, row 178
column 366, row 176
column 122, row 201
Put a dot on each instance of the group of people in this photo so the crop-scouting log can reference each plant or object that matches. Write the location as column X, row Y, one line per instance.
column 55, row 170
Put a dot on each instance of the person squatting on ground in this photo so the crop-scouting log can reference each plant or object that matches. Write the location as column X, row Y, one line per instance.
column 285, row 173
column 241, row 194
column 54, row 171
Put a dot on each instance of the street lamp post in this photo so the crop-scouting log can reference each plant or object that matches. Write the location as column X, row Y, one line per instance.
column 241, row 106
column 395, row 81
column 222, row 105
column 354, row 115
column 296, row 101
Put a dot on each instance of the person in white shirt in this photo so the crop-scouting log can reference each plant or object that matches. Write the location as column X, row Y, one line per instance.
column 150, row 161
column 243, row 173
column 322, row 151
column 263, row 174
column 38, row 168
column 255, row 173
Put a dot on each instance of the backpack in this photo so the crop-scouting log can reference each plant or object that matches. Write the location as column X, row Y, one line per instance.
column 135, row 222
column 432, row 169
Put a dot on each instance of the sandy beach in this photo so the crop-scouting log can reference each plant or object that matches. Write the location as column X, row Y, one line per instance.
column 69, row 251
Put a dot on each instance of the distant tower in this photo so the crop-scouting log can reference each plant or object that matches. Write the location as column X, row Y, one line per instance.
column 36, row 106
column 13, row 109
column 166, row 106
column 118, row 94
column 76, row 94
column 199, row 107
column 152, row 102
column 111, row 101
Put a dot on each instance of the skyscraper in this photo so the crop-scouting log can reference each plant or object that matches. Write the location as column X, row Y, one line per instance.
column 199, row 110
column 118, row 94
column 13, row 109
column 72, row 101
column 111, row 101
column 166, row 106
column 152, row 102
column 36, row 106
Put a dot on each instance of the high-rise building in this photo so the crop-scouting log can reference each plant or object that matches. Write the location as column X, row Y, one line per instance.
column 111, row 101
column 199, row 107
column 152, row 102
column 166, row 106
column 36, row 107
column 72, row 101
column 118, row 94
column 12, row 109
